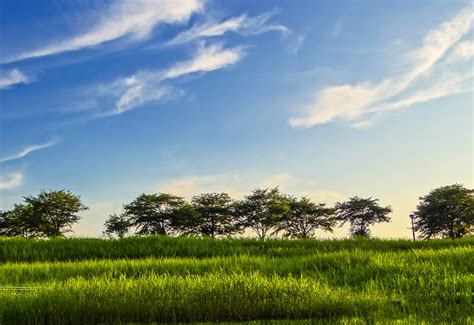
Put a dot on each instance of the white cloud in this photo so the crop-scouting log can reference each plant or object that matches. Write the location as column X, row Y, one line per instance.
column 438, row 42
column 354, row 102
column 12, row 77
column 151, row 86
column 240, row 185
column 133, row 18
column 449, row 85
column 140, row 93
column 25, row 151
column 208, row 29
column 463, row 51
column 189, row 186
column 344, row 101
column 295, row 43
column 11, row 181
column 260, row 24
column 241, row 24
column 207, row 59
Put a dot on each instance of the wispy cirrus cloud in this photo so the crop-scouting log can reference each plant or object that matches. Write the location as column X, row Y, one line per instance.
column 463, row 51
column 11, row 181
column 11, row 78
column 29, row 149
column 151, row 86
column 360, row 103
column 134, row 19
column 242, row 24
column 139, row 90
column 206, row 59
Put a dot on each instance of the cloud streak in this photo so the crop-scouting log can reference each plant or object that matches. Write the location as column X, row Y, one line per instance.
column 153, row 86
column 206, row 59
column 354, row 103
column 12, row 77
column 134, row 19
column 463, row 51
column 11, row 181
column 29, row 149
column 242, row 24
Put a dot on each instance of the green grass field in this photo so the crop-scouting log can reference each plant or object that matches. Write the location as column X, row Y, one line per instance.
column 157, row 279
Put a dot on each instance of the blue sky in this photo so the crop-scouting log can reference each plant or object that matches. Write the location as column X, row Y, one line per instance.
column 326, row 99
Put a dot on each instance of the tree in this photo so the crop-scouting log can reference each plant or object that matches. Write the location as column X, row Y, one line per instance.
column 49, row 214
column 262, row 211
column 213, row 216
column 447, row 211
column 20, row 221
column 8, row 224
column 304, row 217
column 117, row 224
column 56, row 210
column 153, row 214
column 361, row 213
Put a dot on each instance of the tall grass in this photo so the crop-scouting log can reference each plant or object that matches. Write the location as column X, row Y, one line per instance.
column 237, row 297
column 156, row 279
column 167, row 298
column 19, row 249
column 335, row 268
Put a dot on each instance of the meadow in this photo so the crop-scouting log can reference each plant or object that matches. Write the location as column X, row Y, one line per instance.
column 175, row 280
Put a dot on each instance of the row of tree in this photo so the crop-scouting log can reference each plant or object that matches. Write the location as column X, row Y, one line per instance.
column 447, row 211
column 266, row 211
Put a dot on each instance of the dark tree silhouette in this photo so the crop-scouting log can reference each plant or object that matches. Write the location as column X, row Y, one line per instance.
column 213, row 216
column 153, row 214
column 262, row 211
column 447, row 211
column 361, row 213
column 49, row 214
column 117, row 224
column 304, row 217
column 10, row 225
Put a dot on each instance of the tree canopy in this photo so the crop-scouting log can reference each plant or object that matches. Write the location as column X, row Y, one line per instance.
column 153, row 214
column 361, row 213
column 117, row 224
column 303, row 217
column 214, row 216
column 49, row 214
column 447, row 211
column 262, row 211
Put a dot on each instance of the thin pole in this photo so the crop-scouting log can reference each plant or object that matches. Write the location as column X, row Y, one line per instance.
column 412, row 217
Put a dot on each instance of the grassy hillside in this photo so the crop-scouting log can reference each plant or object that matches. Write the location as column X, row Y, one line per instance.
column 158, row 279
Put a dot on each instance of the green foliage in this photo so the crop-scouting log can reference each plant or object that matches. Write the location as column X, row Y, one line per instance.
column 246, row 280
column 303, row 217
column 361, row 213
column 154, row 214
column 447, row 211
column 117, row 224
column 49, row 214
column 262, row 211
column 19, row 222
column 77, row 249
column 213, row 215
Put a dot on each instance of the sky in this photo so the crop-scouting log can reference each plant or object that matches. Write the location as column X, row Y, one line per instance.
column 326, row 99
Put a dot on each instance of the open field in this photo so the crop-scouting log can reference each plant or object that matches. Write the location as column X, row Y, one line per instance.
column 157, row 279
